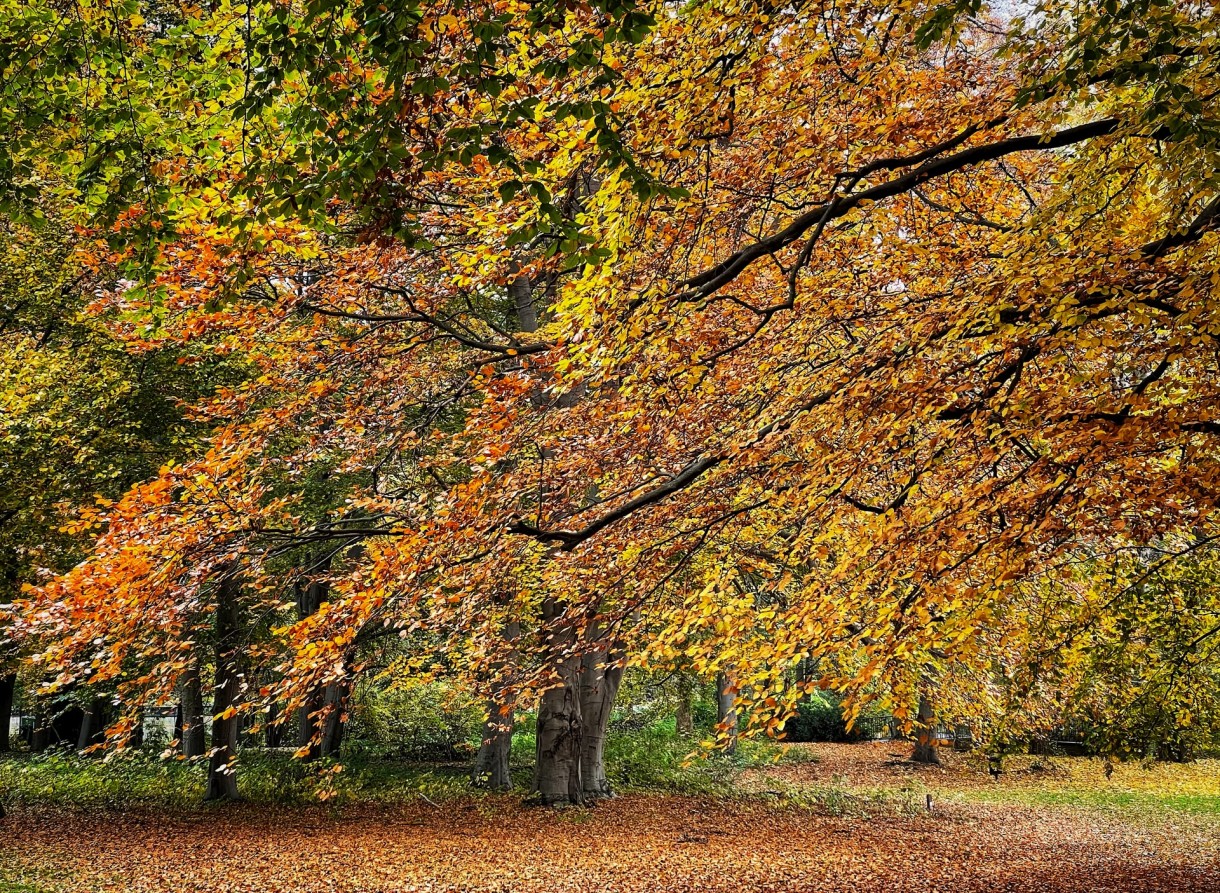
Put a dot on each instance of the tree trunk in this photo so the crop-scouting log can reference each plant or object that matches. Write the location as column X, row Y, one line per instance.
column 726, row 709
column 557, row 765
column 334, row 700
column 521, row 292
column 274, row 730
column 65, row 723
column 8, row 684
column 40, row 735
column 93, row 721
column 926, row 749
column 222, row 767
column 684, row 720
column 136, row 738
column 311, row 597
column 600, row 677
column 192, row 739
column 491, row 764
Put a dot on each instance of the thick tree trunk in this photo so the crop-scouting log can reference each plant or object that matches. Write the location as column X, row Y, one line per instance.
column 8, row 685
column 192, row 739
column 557, row 765
column 92, row 725
column 491, row 764
column 684, row 720
column 600, row 677
column 926, row 743
column 726, row 709
column 222, row 766
column 64, row 724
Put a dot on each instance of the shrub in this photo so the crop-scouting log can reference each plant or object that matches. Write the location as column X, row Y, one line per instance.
column 820, row 718
column 427, row 722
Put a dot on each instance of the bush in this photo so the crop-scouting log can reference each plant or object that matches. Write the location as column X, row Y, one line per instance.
column 63, row 778
column 655, row 758
column 820, row 718
column 428, row 722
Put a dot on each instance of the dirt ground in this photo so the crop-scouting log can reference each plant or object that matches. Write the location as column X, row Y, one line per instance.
column 973, row 840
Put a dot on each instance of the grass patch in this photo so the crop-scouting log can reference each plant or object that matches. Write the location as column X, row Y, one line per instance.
column 1207, row 805
column 649, row 759
column 22, row 880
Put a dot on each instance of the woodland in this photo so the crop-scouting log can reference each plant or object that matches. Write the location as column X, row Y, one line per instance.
column 573, row 444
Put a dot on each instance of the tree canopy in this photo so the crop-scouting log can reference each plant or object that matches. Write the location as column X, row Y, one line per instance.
column 871, row 336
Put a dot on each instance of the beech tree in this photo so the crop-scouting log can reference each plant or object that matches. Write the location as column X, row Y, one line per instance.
column 858, row 318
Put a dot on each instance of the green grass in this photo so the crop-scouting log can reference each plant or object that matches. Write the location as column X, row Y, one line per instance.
column 1207, row 805
column 20, row 880
column 267, row 778
column 652, row 759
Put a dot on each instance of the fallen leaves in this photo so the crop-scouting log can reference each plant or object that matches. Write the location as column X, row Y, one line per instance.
column 634, row 843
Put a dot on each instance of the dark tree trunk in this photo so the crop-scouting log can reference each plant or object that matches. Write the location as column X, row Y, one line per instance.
column 8, row 684
column 491, row 763
column 65, row 724
column 311, row 597
column 40, row 735
column 222, row 767
column 334, row 701
column 92, row 725
column 557, row 765
column 192, row 738
column 726, row 709
column 926, row 743
column 275, row 730
column 601, row 673
column 684, row 719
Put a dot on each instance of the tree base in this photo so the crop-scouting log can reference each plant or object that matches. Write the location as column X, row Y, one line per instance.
column 925, row 755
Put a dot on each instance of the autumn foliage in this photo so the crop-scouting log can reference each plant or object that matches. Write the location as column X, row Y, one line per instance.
column 866, row 346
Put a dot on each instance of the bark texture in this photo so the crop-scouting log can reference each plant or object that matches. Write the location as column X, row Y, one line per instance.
column 927, row 748
column 222, row 767
column 320, row 718
column 491, row 764
column 334, row 703
column 193, row 741
column 557, row 776
column 521, row 292
column 726, row 708
column 92, row 724
column 600, row 677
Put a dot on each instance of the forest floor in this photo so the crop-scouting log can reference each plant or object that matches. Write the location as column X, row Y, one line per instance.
column 835, row 818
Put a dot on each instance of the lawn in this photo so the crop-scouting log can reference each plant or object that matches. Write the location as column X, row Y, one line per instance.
column 825, row 818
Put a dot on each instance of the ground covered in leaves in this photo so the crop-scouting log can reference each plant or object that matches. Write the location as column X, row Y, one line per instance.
column 853, row 818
